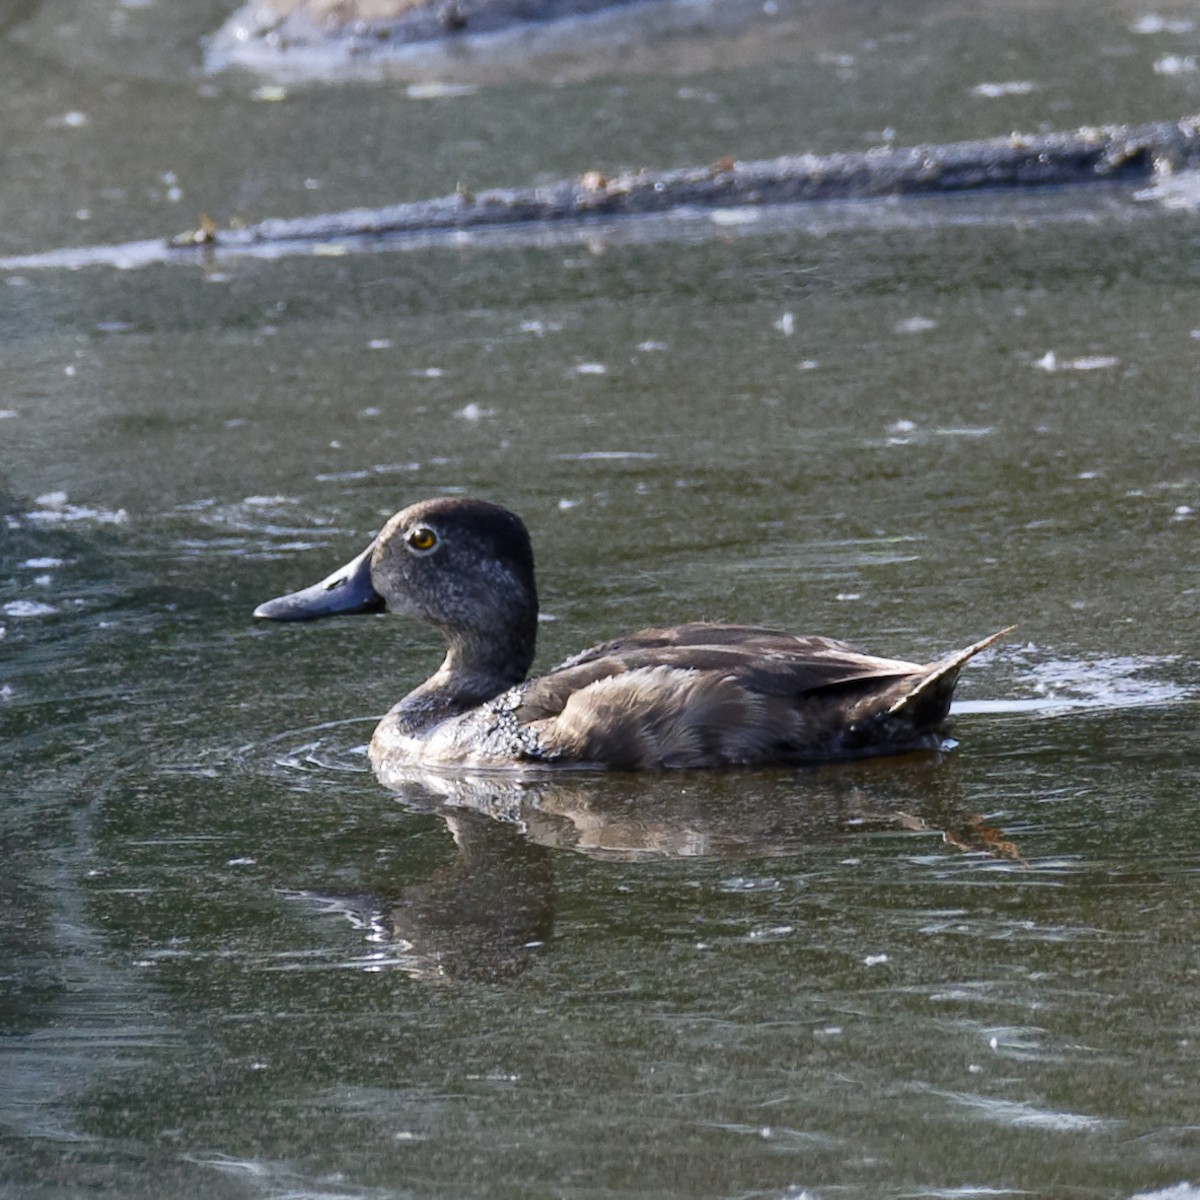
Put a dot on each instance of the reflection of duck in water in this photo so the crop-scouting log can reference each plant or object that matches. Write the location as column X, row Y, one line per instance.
column 483, row 916
column 489, row 913
column 693, row 695
column 682, row 815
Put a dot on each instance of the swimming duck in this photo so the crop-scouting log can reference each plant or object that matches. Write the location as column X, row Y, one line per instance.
column 695, row 695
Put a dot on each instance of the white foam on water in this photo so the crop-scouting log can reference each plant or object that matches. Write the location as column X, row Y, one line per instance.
column 1017, row 1114
column 1014, row 87
column 28, row 608
column 1180, row 1191
column 1064, row 685
column 55, row 509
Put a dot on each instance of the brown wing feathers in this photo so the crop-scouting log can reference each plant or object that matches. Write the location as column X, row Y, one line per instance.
column 763, row 661
column 665, row 716
column 702, row 695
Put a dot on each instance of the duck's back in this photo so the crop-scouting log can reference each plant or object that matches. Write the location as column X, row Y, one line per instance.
column 709, row 695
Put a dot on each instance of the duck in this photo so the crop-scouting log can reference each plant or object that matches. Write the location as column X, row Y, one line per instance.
column 695, row 695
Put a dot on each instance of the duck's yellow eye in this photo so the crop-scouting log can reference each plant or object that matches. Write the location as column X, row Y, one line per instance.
column 422, row 539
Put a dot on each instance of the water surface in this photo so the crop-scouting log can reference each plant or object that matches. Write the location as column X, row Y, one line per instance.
column 233, row 965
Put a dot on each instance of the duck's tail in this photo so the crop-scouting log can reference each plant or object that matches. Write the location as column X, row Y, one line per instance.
column 926, row 699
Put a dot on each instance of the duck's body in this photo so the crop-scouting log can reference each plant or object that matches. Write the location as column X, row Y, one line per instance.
column 694, row 695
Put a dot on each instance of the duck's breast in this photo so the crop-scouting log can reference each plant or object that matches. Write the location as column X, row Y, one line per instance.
column 485, row 738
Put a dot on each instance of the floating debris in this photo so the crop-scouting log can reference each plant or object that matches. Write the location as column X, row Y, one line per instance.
column 993, row 91
column 1176, row 64
column 1178, row 190
column 914, row 325
column 1093, row 362
column 603, row 455
column 28, row 608
column 268, row 501
column 971, row 836
column 474, row 412
column 438, row 91
column 1153, row 23
column 743, row 215
column 976, row 837
column 55, row 509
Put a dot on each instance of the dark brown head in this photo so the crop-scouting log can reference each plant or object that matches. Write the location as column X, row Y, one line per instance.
column 464, row 566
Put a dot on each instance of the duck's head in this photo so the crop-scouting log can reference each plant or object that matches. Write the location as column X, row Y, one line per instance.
column 463, row 566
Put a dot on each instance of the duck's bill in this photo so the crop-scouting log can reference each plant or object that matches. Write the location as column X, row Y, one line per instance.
column 347, row 590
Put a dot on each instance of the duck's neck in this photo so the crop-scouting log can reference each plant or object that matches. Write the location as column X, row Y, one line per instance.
column 474, row 671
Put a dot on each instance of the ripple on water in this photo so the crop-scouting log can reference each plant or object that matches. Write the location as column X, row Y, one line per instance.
column 966, row 1192
column 905, row 432
column 777, row 1138
column 331, row 747
column 1017, row 1114
column 1181, row 1191
column 1065, row 684
column 28, row 608
column 1021, row 1042
column 276, row 1178
column 54, row 509
column 320, row 755
column 251, row 528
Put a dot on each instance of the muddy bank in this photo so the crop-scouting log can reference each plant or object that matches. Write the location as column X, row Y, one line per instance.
column 1166, row 151
column 1110, row 153
column 480, row 42
column 287, row 23
column 340, row 39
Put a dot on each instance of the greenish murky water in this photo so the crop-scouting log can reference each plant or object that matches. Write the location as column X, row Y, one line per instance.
column 231, row 965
